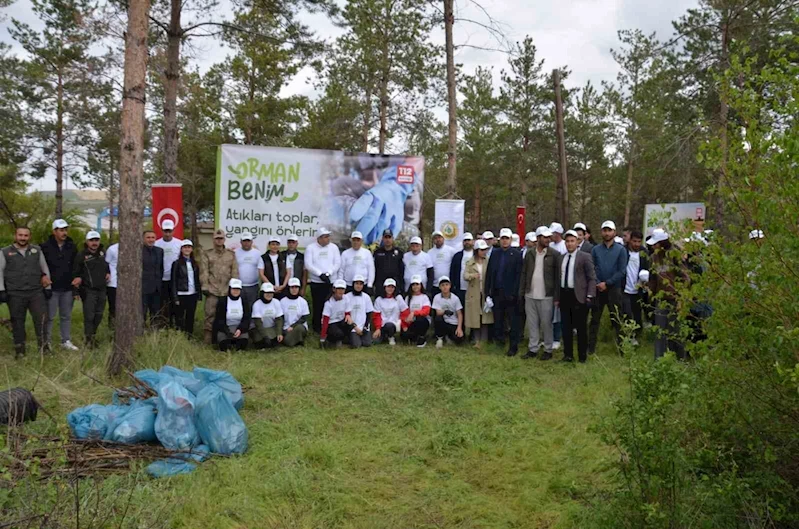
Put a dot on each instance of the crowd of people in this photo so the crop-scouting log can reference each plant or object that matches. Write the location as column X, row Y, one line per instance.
column 489, row 291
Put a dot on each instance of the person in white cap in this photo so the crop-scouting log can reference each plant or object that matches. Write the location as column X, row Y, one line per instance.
column 441, row 255
column 478, row 320
column 272, row 268
column 389, row 311
column 457, row 268
column 336, row 317
column 59, row 252
column 416, row 324
column 418, row 263
column 666, row 275
column 323, row 260
column 171, row 247
column 250, row 264
column 577, row 291
column 388, row 264
column 491, row 241
column 91, row 274
column 539, row 290
column 152, row 280
column 361, row 309
column 295, row 261
column 267, row 319
column 448, row 320
column 295, row 315
column 186, row 288
column 357, row 261
column 610, row 264
column 515, row 241
column 502, row 286
column 530, row 242
column 633, row 296
column 583, row 244
column 233, row 316
column 557, row 238
column 218, row 266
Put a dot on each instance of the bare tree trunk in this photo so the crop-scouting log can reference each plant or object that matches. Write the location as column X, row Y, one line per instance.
column 248, row 135
column 477, row 205
column 383, row 137
column 59, row 148
column 131, row 160
column 111, row 205
column 563, row 180
column 172, row 76
column 632, row 134
column 452, row 102
column 723, row 112
column 367, row 118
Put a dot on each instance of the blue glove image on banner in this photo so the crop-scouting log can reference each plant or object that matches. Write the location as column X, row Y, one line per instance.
column 382, row 207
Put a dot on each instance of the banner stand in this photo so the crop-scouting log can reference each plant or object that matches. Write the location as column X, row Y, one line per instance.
column 449, row 221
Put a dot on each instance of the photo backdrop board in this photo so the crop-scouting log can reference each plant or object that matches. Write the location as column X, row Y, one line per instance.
column 275, row 191
column 664, row 215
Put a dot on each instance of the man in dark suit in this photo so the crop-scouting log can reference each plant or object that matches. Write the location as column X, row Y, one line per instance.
column 577, row 292
column 502, row 286
column 152, row 271
column 458, row 265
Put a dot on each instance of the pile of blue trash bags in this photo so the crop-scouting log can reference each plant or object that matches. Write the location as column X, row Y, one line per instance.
column 195, row 412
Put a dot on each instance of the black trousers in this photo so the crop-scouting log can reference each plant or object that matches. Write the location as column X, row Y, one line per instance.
column 573, row 315
column 339, row 332
column 632, row 307
column 388, row 331
column 445, row 330
column 184, row 313
column 612, row 299
column 111, row 293
column 417, row 329
column 507, row 307
column 319, row 294
column 93, row 307
column 167, row 312
column 151, row 304
column 461, row 295
column 19, row 303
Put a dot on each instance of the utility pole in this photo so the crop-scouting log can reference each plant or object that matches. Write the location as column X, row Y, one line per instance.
column 563, row 179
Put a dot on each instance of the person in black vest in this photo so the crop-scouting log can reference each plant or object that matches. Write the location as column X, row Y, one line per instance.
column 152, row 271
column 388, row 264
column 274, row 269
column 91, row 274
column 232, row 321
column 294, row 262
column 458, row 266
column 59, row 252
column 23, row 275
column 502, row 286
column 186, row 288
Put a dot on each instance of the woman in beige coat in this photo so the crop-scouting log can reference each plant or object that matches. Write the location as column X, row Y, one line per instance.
column 477, row 321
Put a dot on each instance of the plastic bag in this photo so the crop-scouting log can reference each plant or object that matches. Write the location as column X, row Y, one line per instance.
column 93, row 421
column 138, row 425
column 164, row 468
column 224, row 381
column 219, row 424
column 185, row 378
column 174, row 424
column 149, row 377
column 198, row 453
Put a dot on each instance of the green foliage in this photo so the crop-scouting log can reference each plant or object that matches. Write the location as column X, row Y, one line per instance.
column 35, row 211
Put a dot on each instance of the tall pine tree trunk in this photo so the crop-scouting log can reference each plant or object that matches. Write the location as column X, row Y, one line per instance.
column 452, row 103
column 111, row 205
column 632, row 133
column 59, row 147
column 131, row 160
column 172, row 76
column 563, row 178
column 367, row 118
column 383, row 138
column 723, row 112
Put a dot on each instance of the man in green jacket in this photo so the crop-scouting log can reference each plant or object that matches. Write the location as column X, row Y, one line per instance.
column 538, row 290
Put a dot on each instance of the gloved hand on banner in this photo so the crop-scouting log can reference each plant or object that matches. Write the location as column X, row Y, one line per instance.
column 381, row 208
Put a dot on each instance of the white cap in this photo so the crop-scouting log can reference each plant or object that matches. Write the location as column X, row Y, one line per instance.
column 609, row 224
column 543, row 231
column 359, row 277
column 756, row 234
column 437, row 232
column 234, row 283
column 579, row 226
column 416, row 279
column 505, row 232
column 167, row 225
column 268, row 287
column 570, row 232
column 697, row 237
column 294, row 282
column 356, row 235
column 556, row 227
column 246, row 236
column 488, row 235
column 389, row 282
column 530, row 236
column 92, row 235
column 274, row 238
column 292, row 237
column 444, row 279
column 643, row 276
column 480, row 245
column 339, row 283
column 618, row 239
column 416, row 240
column 186, row 242
column 514, row 240
column 60, row 223
column 468, row 236
column 321, row 232
column 658, row 235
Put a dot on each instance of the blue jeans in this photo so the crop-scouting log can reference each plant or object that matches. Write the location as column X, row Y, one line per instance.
column 60, row 304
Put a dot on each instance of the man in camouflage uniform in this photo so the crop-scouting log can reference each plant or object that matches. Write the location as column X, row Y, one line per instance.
column 217, row 267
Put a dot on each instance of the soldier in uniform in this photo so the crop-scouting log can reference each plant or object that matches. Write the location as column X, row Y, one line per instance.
column 23, row 275
column 217, row 267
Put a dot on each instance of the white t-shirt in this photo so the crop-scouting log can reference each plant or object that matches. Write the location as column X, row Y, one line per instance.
column 275, row 268
column 359, row 307
column 559, row 246
column 467, row 254
column 171, row 254
column 335, row 309
column 235, row 312
column 633, row 267
column 418, row 302
column 416, row 265
column 290, row 263
column 249, row 264
column 390, row 309
column 442, row 259
column 355, row 262
column 111, row 257
column 452, row 303
column 293, row 310
column 322, row 260
column 192, row 289
column 268, row 312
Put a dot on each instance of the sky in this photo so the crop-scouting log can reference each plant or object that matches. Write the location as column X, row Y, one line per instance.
column 578, row 34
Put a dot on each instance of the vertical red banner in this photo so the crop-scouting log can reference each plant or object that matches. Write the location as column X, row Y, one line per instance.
column 168, row 205
column 521, row 227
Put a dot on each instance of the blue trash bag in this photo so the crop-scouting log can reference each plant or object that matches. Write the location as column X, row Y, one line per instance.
column 93, row 421
column 138, row 425
column 174, row 424
column 164, row 468
column 218, row 422
column 224, row 381
column 198, row 453
column 185, row 378
column 149, row 377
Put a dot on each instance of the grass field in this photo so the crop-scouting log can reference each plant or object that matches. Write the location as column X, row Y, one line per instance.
column 375, row 438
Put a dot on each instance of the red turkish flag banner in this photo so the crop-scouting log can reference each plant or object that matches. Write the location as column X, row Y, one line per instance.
column 168, row 205
column 520, row 223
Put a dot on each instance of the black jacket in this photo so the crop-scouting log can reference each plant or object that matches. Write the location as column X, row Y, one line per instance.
column 388, row 264
column 60, row 261
column 455, row 270
column 152, row 269
column 180, row 277
column 221, row 316
column 269, row 272
column 508, row 283
column 299, row 265
column 91, row 268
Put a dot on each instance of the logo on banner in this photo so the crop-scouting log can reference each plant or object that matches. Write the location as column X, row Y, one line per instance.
column 449, row 229
column 167, row 212
column 405, row 175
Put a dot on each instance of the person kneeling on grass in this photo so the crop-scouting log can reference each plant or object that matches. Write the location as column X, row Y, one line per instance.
column 336, row 317
column 295, row 315
column 388, row 314
column 267, row 319
column 361, row 310
column 417, row 322
column 448, row 320
column 232, row 319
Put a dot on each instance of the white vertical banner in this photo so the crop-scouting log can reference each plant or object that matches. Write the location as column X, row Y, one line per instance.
column 449, row 221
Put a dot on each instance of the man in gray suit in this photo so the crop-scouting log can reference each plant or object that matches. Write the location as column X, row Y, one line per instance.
column 577, row 292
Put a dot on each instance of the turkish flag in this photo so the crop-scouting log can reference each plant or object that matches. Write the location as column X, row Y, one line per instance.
column 520, row 223
column 168, row 204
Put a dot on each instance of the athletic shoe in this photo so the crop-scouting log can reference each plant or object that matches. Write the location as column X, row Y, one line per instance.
column 421, row 342
column 69, row 346
column 439, row 343
column 392, row 341
column 555, row 345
